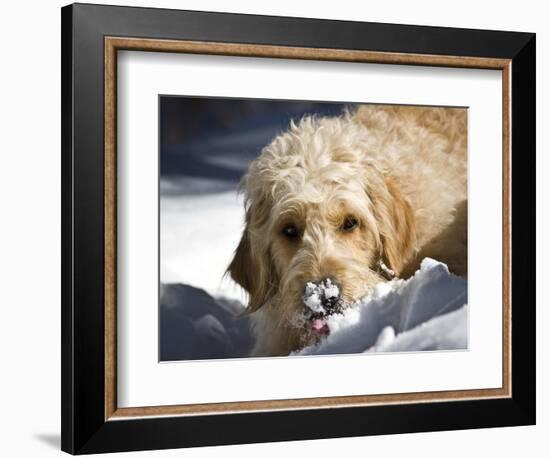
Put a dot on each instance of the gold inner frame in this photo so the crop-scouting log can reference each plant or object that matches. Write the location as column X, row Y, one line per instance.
column 114, row 44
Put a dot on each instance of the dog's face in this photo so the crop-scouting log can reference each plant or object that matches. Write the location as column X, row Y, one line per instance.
column 318, row 214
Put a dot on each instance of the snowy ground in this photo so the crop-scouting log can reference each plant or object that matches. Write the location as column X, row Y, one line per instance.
column 200, row 309
column 199, row 234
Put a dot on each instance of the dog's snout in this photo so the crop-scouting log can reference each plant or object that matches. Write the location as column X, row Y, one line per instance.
column 322, row 295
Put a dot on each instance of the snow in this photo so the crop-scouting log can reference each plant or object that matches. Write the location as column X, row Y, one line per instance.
column 331, row 290
column 198, row 236
column 195, row 325
column 445, row 332
column 312, row 300
column 317, row 294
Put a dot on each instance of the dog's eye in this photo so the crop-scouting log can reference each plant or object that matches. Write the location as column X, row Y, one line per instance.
column 349, row 224
column 290, row 231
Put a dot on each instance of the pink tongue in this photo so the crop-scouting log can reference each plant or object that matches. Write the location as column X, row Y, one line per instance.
column 320, row 325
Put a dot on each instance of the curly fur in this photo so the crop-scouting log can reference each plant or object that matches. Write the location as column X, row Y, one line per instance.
column 401, row 172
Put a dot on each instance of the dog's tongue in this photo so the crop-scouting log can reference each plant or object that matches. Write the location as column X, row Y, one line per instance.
column 320, row 325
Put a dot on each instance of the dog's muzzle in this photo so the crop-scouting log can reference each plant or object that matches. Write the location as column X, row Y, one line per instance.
column 322, row 299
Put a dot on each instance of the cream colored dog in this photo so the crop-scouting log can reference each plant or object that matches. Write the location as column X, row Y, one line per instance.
column 337, row 205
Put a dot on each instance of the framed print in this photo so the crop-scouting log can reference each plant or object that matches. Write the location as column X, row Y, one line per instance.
column 270, row 222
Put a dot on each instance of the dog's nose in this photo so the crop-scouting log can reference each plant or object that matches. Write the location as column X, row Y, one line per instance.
column 322, row 296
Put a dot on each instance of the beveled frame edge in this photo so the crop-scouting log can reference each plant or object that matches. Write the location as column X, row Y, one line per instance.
column 111, row 46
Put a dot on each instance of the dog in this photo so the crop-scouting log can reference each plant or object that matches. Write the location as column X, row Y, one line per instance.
column 336, row 205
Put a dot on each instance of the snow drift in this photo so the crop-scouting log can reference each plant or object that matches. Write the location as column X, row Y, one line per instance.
column 402, row 315
column 195, row 325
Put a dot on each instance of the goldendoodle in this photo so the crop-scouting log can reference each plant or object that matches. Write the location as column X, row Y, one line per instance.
column 335, row 205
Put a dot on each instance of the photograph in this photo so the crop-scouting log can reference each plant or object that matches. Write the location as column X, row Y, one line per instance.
column 298, row 228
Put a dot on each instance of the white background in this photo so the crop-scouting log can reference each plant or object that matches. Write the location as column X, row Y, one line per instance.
column 30, row 230
column 142, row 381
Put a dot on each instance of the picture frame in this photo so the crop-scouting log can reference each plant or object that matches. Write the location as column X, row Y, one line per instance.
column 92, row 35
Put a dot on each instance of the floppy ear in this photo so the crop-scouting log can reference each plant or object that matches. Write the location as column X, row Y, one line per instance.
column 396, row 222
column 251, row 268
column 240, row 267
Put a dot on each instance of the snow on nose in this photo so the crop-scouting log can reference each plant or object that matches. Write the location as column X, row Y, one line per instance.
column 321, row 297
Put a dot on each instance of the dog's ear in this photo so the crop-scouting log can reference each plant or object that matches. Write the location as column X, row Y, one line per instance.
column 396, row 223
column 240, row 267
column 251, row 269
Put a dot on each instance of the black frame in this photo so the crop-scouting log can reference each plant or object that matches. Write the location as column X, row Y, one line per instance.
column 84, row 429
